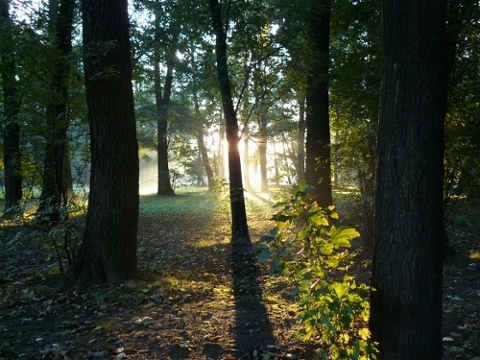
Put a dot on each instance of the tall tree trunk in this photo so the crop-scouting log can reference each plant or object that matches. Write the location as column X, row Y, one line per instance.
column 406, row 308
column 237, row 201
column 301, row 140
column 109, row 249
column 11, row 107
column 162, row 105
column 317, row 172
column 54, row 187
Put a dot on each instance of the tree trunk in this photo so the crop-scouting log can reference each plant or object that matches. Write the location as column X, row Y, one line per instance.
column 11, row 106
column 237, row 201
column 262, row 148
column 162, row 105
column 406, row 308
column 317, row 172
column 54, row 188
column 301, row 140
column 220, row 163
column 109, row 249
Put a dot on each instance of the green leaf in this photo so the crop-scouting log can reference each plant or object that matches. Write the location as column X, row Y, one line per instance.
column 340, row 289
column 341, row 237
column 364, row 333
column 319, row 219
column 264, row 255
column 327, row 249
column 281, row 218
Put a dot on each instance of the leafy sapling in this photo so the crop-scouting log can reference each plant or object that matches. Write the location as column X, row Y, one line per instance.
column 313, row 255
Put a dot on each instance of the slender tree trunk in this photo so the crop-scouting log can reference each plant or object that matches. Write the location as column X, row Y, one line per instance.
column 11, row 107
column 237, row 201
column 317, row 172
column 301, row 140
column 54, row 188
column 406, row 308
column 221, row 157
column 109, row 249
column 246, row 158
column 162, row 105
column 262, row 148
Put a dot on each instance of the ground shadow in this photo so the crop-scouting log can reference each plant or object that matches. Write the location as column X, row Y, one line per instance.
column 253, row 330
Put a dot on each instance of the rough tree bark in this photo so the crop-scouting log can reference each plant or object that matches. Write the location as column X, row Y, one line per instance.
column 109, row 249
column 237, row 200
column 11, row 106
column 317, row 171
column 406, row 308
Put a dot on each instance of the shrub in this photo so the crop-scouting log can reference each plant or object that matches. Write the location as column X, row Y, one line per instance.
column 314, row 256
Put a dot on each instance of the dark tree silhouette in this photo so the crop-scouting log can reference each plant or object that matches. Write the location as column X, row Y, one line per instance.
column 237, row 200
column 55, row 171
column 11, row 106
column 317, row 171
column 109, row 249
column 162, row 105
column 406, row 308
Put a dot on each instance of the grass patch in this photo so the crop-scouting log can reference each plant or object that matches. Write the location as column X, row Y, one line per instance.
column 475, row 255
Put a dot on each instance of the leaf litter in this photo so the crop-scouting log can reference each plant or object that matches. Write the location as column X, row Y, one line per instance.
column 185, row 307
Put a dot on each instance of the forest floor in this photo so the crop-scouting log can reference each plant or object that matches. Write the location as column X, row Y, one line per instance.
column 198, row 299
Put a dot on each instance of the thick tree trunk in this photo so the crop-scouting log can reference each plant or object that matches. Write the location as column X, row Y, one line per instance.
column 11, row 132
column 406, row 308
column 318, row 172
column 109, row 249
column 54, row 188
column 237, row 201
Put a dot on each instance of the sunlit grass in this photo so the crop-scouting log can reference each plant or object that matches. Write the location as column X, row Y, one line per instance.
column 475, row 255
column 182, row 202
column 205, row 243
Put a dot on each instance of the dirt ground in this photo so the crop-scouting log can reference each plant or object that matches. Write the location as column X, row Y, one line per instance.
column 199, row 299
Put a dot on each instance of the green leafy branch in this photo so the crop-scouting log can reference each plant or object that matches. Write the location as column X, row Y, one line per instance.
column 314, row 256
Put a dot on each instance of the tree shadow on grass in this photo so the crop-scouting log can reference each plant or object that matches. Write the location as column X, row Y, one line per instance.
column 253, row 330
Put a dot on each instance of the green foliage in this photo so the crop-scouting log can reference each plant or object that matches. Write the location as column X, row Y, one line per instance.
column 314, row 256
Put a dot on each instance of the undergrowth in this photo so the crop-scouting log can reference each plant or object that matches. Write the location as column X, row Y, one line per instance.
column 314, row 256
